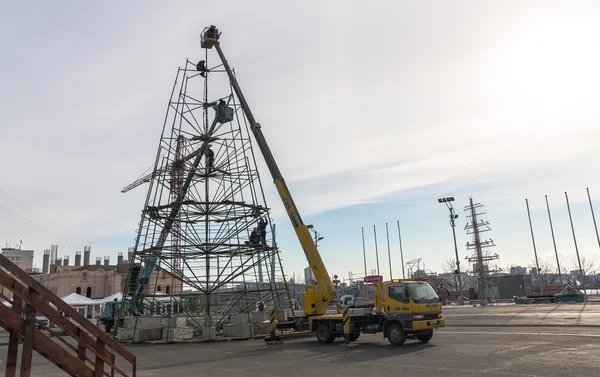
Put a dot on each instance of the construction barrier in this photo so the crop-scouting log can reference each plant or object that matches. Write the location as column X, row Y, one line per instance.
column 346, row 322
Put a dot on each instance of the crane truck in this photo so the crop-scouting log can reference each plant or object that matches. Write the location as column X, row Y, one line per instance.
column 410, row 308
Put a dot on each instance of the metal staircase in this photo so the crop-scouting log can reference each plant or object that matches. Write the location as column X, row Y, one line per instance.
column 84, row 349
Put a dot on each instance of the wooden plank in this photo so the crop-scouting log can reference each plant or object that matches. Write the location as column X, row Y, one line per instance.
column 13, row 342
column 81, row 347
column 67, row 309
column 85, row 357
column 45, row 346
column 99, row 372
column 112, row 369
column 53, row 316
column 28, row 330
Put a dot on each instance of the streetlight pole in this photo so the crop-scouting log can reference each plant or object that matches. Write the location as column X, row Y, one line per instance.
column 453, row 217
column 593, row 217
column 317, row 234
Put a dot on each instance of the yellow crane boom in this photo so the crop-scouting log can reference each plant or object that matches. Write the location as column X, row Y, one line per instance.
column 317, row 297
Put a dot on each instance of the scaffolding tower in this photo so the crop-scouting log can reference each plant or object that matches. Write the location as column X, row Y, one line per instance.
column 198, row 252
column 481, row 255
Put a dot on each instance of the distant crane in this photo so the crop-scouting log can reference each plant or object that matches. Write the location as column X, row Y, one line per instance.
column 172, row 167
column 147, row 178
column 411, row 263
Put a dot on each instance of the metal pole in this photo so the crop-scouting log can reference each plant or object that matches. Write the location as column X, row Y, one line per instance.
column 364, row 257
column 401, row 254
column 537, row 264
column 554, row 241
column 389, row 253
column 576, row 249
column 593, row 217
column 461, row 300
column 376, row 250
column 274, row 245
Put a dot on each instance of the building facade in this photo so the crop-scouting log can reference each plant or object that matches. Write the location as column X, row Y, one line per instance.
column 89, row 281
column 99, row 281
column 22, row 258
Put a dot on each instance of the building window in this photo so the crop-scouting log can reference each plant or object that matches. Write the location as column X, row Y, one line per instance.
column 158, row 289
column 88, row 292
column 78, row 290
column 167, row 289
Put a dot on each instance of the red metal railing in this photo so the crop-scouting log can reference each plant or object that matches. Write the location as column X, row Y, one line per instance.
column 82, row 336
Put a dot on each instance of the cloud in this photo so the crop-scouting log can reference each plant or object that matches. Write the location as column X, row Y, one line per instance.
column 360, row 104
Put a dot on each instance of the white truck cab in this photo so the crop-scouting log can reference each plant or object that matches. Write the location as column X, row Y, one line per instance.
column 356, row 302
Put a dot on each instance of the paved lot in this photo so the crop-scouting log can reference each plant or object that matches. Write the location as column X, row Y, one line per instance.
column 457, row 351
column 453, row 352
column 572, row 314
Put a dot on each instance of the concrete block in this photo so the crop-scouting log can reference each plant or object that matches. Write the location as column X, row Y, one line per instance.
column 124, row 334
column 209, row 333
column 142, row 322
column 149, row 323
column 174, row 322
column 259, row 317
column 177, row 334
column 196, row 321
column 261, row 328
column 238, row 331
column 283, row 314
column 129, row 322
column 239, row 319
column 144, row 335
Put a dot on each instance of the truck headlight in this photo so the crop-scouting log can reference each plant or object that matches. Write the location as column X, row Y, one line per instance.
column 418, row 317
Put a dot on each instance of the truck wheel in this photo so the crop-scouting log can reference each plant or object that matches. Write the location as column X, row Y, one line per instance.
column 354, row 336
column 425, row 337
column 324, row 334
column 396, row 335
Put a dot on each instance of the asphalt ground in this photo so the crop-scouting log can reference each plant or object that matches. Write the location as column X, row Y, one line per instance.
column 571, row 314
column 453, row 352
column 459, row 350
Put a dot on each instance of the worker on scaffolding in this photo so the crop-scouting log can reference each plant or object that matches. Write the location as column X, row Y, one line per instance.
column 262, row 228
column 201, row 67
column 254, row 238
column 210, row 157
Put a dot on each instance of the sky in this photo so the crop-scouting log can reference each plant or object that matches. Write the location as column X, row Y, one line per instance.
column 372, row 110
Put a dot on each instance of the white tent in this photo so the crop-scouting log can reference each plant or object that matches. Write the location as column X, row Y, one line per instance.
column 84, row 305
column 75, row 299
column 118, row 296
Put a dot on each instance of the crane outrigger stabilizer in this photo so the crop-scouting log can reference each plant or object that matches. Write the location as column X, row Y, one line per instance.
column 314, row 302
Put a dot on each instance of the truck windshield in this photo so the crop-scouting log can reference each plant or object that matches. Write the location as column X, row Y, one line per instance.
column 422, row 292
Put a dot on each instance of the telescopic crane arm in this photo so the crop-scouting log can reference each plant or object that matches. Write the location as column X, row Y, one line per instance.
column 314, row 302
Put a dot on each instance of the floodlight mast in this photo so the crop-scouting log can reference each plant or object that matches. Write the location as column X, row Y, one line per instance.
column 453, row 217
